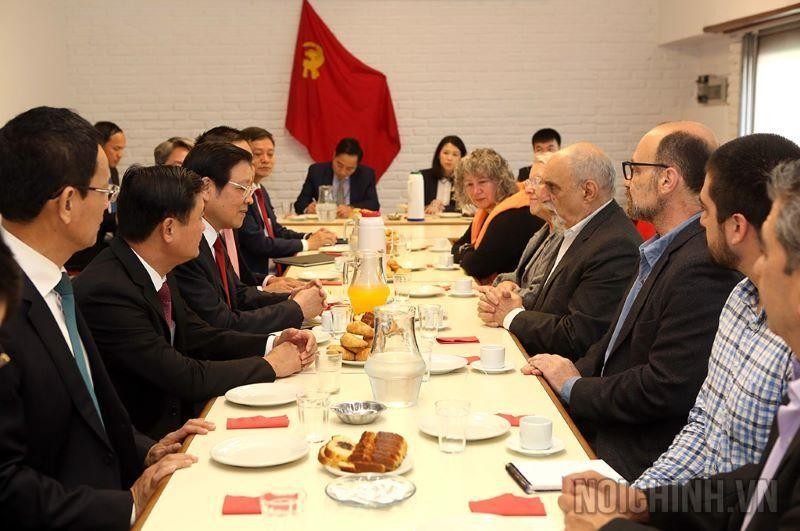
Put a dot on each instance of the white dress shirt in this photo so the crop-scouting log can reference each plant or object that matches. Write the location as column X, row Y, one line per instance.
column 443, row 189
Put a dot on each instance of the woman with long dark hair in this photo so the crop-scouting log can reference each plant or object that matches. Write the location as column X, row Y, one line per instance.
column 439, row 189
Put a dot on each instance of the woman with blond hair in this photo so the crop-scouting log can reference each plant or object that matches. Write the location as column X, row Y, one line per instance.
column 503, row 223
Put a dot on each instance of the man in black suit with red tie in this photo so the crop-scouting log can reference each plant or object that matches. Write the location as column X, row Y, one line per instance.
column 69, row 457
column 261, row 237
column 164, row 360
column 208, row 283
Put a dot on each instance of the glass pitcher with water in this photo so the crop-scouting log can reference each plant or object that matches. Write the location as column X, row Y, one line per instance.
column 395, row 366
column 368, row 288
column 326, row 205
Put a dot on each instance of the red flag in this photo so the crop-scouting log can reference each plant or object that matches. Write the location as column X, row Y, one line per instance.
column 333, row 95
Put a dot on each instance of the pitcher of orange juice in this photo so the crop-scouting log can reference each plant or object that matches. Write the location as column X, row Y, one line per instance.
column 368, row 288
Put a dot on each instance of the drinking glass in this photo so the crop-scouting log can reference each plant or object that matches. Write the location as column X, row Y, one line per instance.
column 329, row 367
column 430, row 319
column 284, row 508
column 341, row 315
column 453, row 417
column 401, row 286
column 312, row 412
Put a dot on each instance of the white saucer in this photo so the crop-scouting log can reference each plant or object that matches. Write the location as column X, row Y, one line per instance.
column 276, row 393
column 512, row 443
column 444, row 363
column 411, row 266
column 418, row 245
column 426, row 290
column 453, row 293
column 480, row 426
column 478, row 366
column 260, row 450
column 322, row 274
column 449, row 214
column 447, row 268
column 440, row 249
column 354, row 363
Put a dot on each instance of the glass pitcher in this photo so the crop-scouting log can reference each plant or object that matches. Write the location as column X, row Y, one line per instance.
column 368, row 288
column 395, row 366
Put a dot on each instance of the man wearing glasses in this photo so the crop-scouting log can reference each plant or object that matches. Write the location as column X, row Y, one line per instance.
column 208, row 283
column 633, row 389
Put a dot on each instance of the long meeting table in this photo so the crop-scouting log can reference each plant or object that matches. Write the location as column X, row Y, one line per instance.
column 445, row 483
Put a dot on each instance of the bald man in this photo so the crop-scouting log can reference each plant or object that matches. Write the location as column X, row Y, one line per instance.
column 584, row 269
column 632, row 391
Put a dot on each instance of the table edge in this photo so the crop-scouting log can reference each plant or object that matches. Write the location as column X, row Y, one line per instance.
column 137, row 525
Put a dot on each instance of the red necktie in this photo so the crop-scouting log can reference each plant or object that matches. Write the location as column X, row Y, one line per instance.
column 165, row 297
column 262, row 207
column 219, row 256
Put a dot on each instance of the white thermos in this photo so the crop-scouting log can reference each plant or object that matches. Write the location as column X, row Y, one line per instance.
column 371, row 233
column 416, row 197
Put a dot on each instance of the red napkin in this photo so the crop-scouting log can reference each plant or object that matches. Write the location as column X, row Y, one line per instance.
column 259, row 421
column 331, row 282
column 241, row 505
column 248, row 504
column 470, row 359
column 509, row 505
column 513, row 419
column 453, row 340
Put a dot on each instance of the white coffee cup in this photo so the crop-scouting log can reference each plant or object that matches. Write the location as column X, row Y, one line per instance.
column 463, row 285
column 535, row 433
column 445, row 260
column 441, row 243
column 493, row 356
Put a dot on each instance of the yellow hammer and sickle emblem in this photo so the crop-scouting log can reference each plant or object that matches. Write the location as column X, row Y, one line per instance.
column 314, row 59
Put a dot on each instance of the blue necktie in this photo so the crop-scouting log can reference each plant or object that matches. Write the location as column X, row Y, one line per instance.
column 64, row 288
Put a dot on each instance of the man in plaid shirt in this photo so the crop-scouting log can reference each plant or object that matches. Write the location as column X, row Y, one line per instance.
column 749, row 367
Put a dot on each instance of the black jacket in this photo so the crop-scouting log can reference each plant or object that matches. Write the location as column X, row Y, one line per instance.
column 502, row 245
column 363, row 193
column 575, row 306
column 59, row 466
column 633, row 410
column 162, row 383
column 251, row 310
column 256, row 247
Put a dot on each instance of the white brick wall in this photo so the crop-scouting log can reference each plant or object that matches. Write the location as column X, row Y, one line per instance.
column 489, row 71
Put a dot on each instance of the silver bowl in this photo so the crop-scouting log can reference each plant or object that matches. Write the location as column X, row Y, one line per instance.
column 358, row 412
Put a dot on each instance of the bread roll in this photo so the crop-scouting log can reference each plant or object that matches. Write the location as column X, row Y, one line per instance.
column 360, row 328
column 352, row 341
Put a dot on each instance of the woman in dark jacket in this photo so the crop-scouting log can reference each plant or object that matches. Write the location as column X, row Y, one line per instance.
column 439, row 189
column 503, row 223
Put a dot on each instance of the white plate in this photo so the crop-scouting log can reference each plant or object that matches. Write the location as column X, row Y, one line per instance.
column 297, row 217
column 418, row 245
column 312, row 216
column 459, row 294
column 444, row 363
column 264, row 394
column 338, row 248
column 481, row 426
column 426, row 290
column 320, row 335
column 322, row 274
column 370, row 490
column 449, row 214
column 353, row 363
column 441, row 249
column 404, row 467
column 412, row 266
column 447, row 268
column 478, row 366
column 512, row 443
column 260, row 450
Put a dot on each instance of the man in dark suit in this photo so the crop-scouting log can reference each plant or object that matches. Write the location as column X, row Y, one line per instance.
column 587, row 274
column 208, row 283
column 545, row 142
column 353, row 186
column 633, row 389
column 69, row 457
column 156, row 349
column 755, row 497
column 261, row 237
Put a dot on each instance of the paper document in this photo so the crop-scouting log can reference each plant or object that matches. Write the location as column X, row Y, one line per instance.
column 547, row 475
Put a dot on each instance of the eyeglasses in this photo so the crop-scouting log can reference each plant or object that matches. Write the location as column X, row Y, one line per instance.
column 627, row 167
column 247, row 191
column 112, row 191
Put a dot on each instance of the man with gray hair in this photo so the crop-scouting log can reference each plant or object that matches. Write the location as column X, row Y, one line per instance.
column 585, row 270
column 171, row 152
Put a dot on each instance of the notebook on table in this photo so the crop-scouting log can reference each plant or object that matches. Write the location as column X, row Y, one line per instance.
column 547, row 475
column 305, row 260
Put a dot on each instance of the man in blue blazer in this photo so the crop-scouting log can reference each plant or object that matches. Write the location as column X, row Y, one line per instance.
column 354, row 186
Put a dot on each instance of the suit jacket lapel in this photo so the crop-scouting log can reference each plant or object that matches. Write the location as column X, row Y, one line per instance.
column 642, row 296
column 140, row 277
column 45, row 324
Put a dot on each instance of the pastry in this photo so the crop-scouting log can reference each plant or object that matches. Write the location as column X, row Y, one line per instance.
column 361, row 328
column 352, row 341
column 375, row 452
